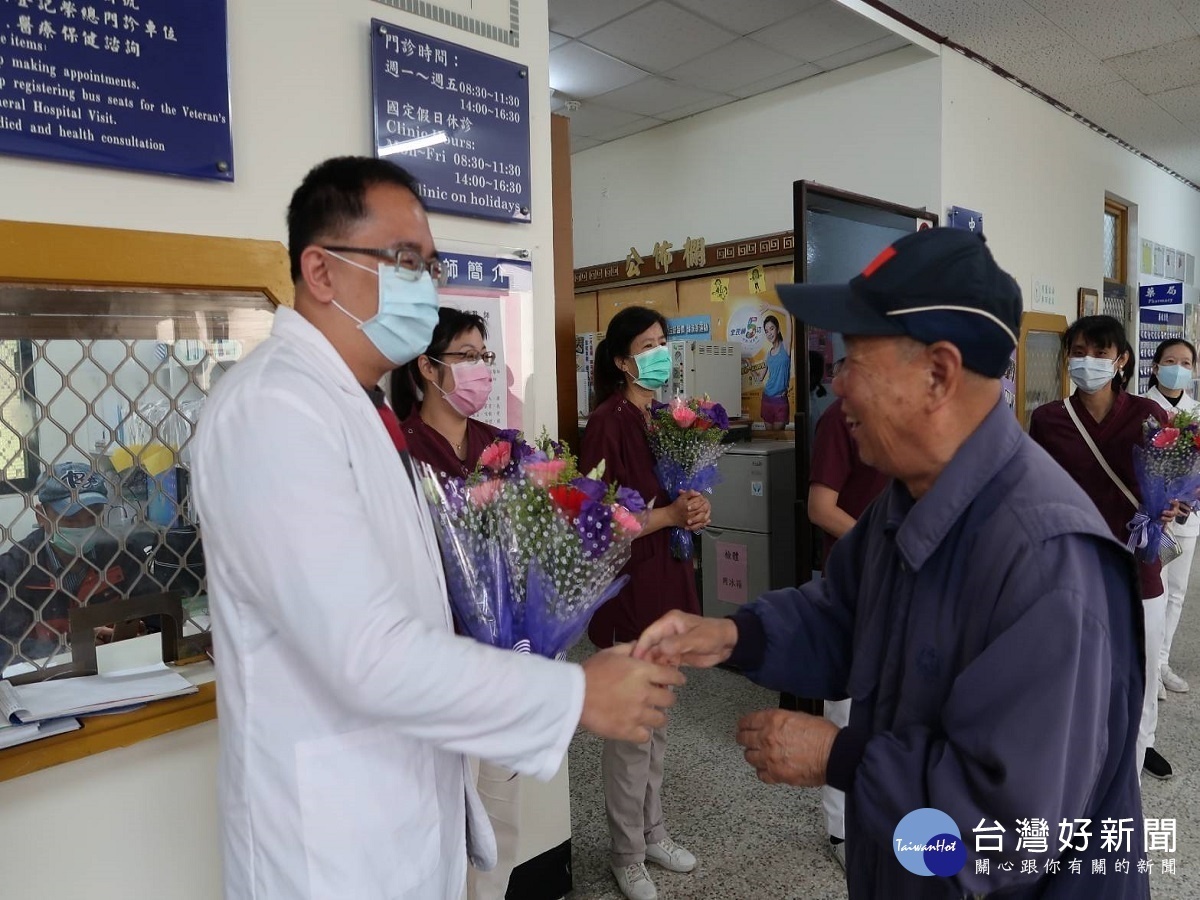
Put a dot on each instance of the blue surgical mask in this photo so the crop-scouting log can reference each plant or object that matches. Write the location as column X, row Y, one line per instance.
column 1174, row 378
column 1091, row 374
column 654, row 367
column 408, row 312
column 75, row 540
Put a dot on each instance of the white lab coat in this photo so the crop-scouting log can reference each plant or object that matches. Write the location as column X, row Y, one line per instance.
column 1187, row 403
column 346, row 702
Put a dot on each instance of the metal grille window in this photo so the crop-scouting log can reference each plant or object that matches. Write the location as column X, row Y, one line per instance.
column 100, row 391
column 1043, row 370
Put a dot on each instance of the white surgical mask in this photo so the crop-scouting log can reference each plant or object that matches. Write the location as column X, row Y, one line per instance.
column 408, row 312
column 1091, row 374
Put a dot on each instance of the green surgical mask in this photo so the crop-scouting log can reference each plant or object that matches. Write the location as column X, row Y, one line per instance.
column 75, row 540
column 654, row 367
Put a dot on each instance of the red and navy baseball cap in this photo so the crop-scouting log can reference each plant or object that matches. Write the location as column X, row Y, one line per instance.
column 940, row 284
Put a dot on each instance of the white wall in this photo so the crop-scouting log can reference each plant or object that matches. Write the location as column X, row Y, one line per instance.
column 1039, row 178
column 301, row 93
column 871, row 128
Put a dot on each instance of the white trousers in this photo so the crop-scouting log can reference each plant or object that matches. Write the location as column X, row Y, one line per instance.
column 1155, row 610
column 833, row 801
column 500, row 791
column 1175, row 576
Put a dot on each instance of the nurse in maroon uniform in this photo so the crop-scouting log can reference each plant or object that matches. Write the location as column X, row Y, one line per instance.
column 436, row 394
column 632, row 362
column 1100, row 363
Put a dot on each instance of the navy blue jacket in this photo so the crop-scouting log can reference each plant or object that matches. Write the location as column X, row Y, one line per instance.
column 990, row 637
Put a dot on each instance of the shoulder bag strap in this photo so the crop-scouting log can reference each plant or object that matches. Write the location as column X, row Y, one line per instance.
column 1087, row 439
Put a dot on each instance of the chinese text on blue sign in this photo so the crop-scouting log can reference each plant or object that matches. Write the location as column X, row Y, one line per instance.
column 133, row 84
column 457, row 119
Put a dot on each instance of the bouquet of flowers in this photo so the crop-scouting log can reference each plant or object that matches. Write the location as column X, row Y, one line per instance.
column 685, row 436
column 531, row 549
column 1167, row 468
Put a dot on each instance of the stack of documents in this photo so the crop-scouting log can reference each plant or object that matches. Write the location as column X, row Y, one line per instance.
column 65, row 697
column 11, row 735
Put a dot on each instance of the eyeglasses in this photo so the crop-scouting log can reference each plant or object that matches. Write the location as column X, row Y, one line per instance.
column 471, row 356
column 408, row 262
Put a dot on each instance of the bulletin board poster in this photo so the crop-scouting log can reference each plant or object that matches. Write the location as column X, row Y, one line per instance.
column 135, row 84
column 493, row 288
column 765, row 333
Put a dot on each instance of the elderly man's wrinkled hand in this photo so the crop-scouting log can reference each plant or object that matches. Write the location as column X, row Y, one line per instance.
column 787, row 747
column 682, row 639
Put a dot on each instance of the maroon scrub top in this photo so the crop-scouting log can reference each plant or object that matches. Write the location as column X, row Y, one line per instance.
column 836, row 464
column 428, row 446
column 1116, row 436
column 658, row 583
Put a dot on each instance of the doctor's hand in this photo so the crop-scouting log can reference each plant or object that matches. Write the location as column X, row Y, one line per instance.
column 787, row 747
column 625, row 699
column 681, row 639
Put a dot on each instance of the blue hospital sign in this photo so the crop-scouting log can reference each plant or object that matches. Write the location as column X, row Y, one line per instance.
column 457, row 119
column 133, row 84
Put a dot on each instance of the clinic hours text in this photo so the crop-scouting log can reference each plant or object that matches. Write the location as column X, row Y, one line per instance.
column 480, row 164
column 483, row 182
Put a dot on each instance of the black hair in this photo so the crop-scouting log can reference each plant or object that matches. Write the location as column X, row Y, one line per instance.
column 407, row 380
column 1103, row 332
column 778, row 331
column 1162, row 348
column 624, row 327
column 333, row 196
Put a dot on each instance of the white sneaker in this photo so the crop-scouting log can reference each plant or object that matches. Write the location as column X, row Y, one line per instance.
column 634, row 882
column 1162, row 691
column 1173, row 682
column 670, row 855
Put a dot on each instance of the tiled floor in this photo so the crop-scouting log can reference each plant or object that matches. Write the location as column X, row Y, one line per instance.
column 757, row 842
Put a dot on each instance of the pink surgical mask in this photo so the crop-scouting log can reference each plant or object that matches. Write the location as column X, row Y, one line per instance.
column 472, row 387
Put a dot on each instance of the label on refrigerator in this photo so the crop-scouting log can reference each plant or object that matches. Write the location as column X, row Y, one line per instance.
column 732, row 582
column 756, row 489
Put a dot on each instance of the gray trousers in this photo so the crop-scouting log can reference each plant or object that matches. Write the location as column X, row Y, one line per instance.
column 633, row 775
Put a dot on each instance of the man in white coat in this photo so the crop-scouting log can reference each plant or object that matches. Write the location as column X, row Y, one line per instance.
column 348, row 707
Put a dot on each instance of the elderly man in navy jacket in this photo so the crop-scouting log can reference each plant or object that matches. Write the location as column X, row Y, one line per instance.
column 980, row 615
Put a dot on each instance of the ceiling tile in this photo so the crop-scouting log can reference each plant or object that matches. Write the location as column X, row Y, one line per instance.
column 1060, row 67
column 576, row 17
column 693, row 109
column 1190, row 9
column 651, row 96
column 591, row 119
column 583, row 143
column 557, row 40
column 861, row 52
column 579, row 71
column 643, row 124
column 1182, row 103
column 742, row 62
column 992, row 28
column 746, row 16
column 1162, row 68
column 659, row 37
column 1112, row 29
column 1122, row 109
column 776, row 81
column 822, row 31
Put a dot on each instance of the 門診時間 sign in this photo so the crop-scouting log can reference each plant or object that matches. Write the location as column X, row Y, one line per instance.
column 457, row 119
column 133, row 84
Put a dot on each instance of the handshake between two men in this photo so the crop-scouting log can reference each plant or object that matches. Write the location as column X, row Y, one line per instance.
column 629, row 690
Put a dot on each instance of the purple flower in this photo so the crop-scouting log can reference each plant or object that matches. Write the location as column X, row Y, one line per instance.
column 592, row 487
column 595, row 528
column 719, row 417
column 631, row 500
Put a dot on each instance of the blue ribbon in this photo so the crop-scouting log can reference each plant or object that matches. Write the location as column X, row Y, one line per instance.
column 1139, row 539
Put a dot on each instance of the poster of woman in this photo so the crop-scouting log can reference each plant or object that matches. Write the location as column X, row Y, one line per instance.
column 776, row 410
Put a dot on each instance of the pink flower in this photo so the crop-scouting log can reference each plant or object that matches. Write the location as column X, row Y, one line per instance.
column 625, row 519
column 1165, row 438
column 544, row 474
column 684, row 416
column 485, row 492
column 496, row 456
